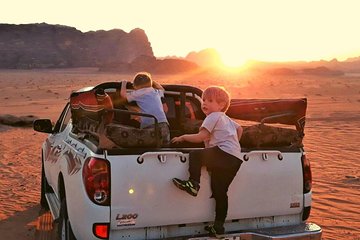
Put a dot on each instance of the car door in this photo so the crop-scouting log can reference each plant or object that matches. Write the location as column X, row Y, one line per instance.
column 54, row 146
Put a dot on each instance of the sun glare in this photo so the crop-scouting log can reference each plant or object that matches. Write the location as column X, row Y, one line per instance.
column 233, row 60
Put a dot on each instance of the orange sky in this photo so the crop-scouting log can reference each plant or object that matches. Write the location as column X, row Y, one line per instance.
column 276, row 30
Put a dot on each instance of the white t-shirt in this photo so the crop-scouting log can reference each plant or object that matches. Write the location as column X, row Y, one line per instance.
column 223, row 133
column 149, row 101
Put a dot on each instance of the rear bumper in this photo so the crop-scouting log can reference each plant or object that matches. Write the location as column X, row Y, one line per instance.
column 305, row 231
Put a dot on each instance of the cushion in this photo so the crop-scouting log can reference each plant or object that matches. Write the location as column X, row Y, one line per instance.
column 127, row 136
column 262, row 135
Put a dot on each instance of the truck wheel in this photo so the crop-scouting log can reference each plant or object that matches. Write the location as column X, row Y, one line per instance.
column 64, row 228
column 45, row 188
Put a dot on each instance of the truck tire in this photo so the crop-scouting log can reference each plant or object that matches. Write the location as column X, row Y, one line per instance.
column 45, row 188
column 64, row 228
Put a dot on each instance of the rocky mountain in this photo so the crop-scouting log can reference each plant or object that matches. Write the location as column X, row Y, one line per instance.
column 353, row 59
column 319, row 68
column 153, row 65
column 28, row 46
column 208, row 57
column 42, row 45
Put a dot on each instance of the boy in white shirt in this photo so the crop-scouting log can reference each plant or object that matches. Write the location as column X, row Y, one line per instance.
column 147, row 95
column 221, row 154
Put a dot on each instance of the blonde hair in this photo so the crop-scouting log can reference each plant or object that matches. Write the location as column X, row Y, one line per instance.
column 219, row 94
column 142, row 79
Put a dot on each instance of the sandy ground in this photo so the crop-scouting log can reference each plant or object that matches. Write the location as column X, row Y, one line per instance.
column 331, row 140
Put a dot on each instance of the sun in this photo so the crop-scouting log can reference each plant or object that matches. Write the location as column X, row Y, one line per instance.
column 233, row 60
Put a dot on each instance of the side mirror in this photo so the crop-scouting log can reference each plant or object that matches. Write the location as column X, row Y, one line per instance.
column 43, row 125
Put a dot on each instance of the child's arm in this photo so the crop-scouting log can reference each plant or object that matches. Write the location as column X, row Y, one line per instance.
column 194, row 138
column 239, row 131
column 123, row 90
column 157, row 86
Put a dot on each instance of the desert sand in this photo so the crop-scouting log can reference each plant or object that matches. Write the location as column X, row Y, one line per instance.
column 332, row 138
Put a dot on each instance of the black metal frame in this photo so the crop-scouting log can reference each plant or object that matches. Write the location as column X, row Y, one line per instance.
column 158, row 143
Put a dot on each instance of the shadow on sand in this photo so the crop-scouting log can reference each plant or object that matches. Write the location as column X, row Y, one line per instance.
column 35, row 223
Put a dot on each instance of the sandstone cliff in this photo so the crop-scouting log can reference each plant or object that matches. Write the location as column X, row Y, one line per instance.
column 206, row 58
column 153, row 65
column 42, row 45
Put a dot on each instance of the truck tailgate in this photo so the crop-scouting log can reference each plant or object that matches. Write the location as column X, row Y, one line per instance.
column 143, row 195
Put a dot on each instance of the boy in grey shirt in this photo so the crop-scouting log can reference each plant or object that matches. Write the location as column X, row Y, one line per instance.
column 221, row 154
column 147, row 95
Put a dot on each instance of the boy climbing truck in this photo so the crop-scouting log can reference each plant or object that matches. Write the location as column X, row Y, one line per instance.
column 103, row 177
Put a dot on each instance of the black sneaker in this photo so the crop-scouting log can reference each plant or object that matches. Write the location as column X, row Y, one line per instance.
column 215, row 231
column 189, row 186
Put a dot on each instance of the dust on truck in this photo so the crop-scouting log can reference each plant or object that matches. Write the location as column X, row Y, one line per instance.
column 105, row 178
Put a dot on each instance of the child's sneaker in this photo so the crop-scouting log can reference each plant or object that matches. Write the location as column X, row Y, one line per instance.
column 189, row 186
column 215, row 231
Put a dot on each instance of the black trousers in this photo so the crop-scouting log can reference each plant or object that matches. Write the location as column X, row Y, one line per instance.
column 222, row 167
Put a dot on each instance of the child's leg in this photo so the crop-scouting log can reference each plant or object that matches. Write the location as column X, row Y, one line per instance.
column 223, row 172
column 165, row 133
column 220, row 183
column 195, row 164
column 196, row 160
column 208, row 157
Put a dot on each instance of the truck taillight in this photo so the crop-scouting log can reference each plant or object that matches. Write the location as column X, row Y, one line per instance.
column 307, row 178
column 96, row 178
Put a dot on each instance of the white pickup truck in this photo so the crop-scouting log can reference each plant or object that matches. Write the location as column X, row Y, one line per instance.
column 121, row 187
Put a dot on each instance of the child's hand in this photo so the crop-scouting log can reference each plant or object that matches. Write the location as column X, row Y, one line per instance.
column 177, row 139
column 123, row 89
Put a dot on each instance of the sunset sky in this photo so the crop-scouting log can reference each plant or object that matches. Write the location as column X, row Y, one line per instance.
column 268, row 30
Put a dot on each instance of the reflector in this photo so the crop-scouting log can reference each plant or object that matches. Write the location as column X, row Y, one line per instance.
column 101, row 230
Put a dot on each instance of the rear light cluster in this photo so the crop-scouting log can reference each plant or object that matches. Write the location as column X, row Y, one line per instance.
column 307, row 177
column 96, row 178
